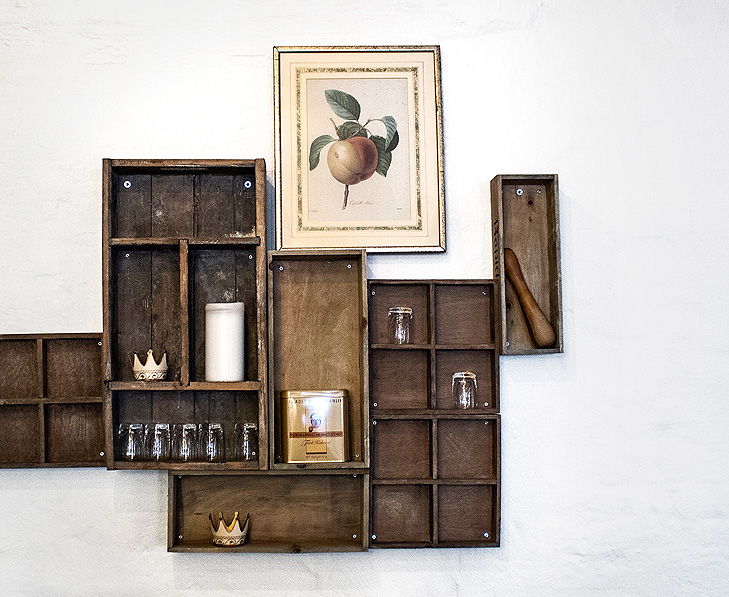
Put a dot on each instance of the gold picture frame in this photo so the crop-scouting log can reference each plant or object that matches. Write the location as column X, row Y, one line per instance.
column 359, row 148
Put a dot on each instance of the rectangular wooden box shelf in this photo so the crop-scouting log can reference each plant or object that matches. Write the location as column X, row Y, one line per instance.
column 290, row 511
column 179, row 234
column 318, row 339
column 525, row 218
column 435, row 468
column 51, row 400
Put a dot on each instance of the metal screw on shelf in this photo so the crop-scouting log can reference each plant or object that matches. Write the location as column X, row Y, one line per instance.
column 127, row 255
column 485, row 422
column 179, row 476
column 356, row 456
column 250, row 256
column 354, row 536
column 98, row 343
column 374, row 537
column 248, row 184
column 179, row 537
column 519, row 192
column 374, row 422
column 355, row 476
column 486, row 535
column 101, row 453
column 485, row 403
column 539, row 191
column 374, row 404
column 373, row 293
column 280, row 268
column 127, row 184
column 484, row 293
column 349, row 266
column 507, row 344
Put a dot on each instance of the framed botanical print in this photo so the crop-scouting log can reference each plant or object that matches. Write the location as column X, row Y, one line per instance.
column 359, row 151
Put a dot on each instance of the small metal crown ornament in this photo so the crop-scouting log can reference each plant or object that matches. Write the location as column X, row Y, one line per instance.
column 150, row 371
column 229, row 535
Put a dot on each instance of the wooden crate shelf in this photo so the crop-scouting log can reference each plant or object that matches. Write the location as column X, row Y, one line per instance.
column 179, row 234
column 525, row 219
column 318, row 340
column 51, row 398
column 290, row 511
column 425, row 451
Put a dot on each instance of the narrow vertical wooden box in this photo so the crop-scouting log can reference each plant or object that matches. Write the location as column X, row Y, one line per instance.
column 317, row 313
column 525, row 219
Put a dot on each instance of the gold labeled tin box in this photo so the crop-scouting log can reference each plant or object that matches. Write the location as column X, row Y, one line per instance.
column 314, row 425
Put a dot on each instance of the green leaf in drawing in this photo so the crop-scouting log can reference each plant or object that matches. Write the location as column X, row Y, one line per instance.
column 394, row 142
column 384, row 157
column 391, row 127
column 351, row 129
column 316, row 146
column 343, row 104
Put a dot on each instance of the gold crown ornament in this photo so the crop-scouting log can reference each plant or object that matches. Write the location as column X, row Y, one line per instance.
column 150, row 371
column 229, row 535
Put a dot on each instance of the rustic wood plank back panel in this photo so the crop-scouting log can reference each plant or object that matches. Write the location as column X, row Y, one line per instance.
column 401, row 514
column 132, row 205
column 20, row 434
column 19, row 362
column 75, row 433
column 410, row 440
column 462, row 314
column 73, row 367
column 467, row 449
column 288, row 512
column 525, row 218
column 399, row 379
column 465, row 513
column 481, row 362
column 172, row 205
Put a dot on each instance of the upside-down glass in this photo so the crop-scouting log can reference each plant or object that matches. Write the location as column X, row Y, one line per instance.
column 159, row 441
column 130, row 438
column 246, row 443
column 212, row 446
column 184, row 442
column 399, row 323
column 464, row 388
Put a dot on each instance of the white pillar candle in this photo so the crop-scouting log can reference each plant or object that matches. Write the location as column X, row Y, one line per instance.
column 224, row 340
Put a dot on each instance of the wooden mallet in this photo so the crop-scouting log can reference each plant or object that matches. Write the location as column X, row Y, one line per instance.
column 539, row 327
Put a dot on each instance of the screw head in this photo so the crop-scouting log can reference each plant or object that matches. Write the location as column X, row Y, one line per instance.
column 374, row 404
column 374, row 537
column 250, row 256
column 127, row 184
column 247, row 184
column 354, row 536
column 280, row 268
column 349, row 266
column 101, row 453
column 486, row 535
column 374, row 422
column 373, row 293
column 485, row 403
column 519, row 192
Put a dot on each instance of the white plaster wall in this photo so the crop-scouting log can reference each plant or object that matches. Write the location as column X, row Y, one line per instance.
column 615, row 474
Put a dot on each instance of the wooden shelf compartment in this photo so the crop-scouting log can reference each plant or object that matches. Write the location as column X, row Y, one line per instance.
column 184, row 406
column 179, row 234
column 483, row 362
column 318, row 340
column 317, row 511
column 51, row 400
column 525, row 218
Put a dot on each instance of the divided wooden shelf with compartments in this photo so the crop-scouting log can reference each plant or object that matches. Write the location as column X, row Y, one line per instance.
column 178, row 234
column 435, row 477
column 51, row 401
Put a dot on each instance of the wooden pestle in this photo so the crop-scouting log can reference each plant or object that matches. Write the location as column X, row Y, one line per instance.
column 538, row 324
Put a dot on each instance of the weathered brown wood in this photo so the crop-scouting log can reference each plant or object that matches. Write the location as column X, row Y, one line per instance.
column 401, row 514
column 382, row 297
column 466, row 514
column 74, row 433
column 73, row 367
column 19, row 363
column 165, row 310
column 401, row 449
column 399, row 379
column 463, row 314
column 467, row 449
column 294, row 512
column 20, row 437
column 318, row 333
column 172, row 205
column 184, row 298
column 525, row 218
column 483, row 363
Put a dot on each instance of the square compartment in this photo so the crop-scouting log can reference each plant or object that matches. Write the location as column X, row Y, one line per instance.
column 74, row 433
column 401, row 514
column 483, row 363
column 401, row 449
column 146, row 309
column 223, row 275
column 19, row 365
column 399, row 379
column 467, row 449
column 19, row 434
column 382, row 297
column 73, row 367
column 463, row 314
column 466, row 514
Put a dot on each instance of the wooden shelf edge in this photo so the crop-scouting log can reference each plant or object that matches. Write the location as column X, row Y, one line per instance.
column 266, row 547
column 174, row 386
column 472, row 413
column 355, row 467
column 237, row 466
